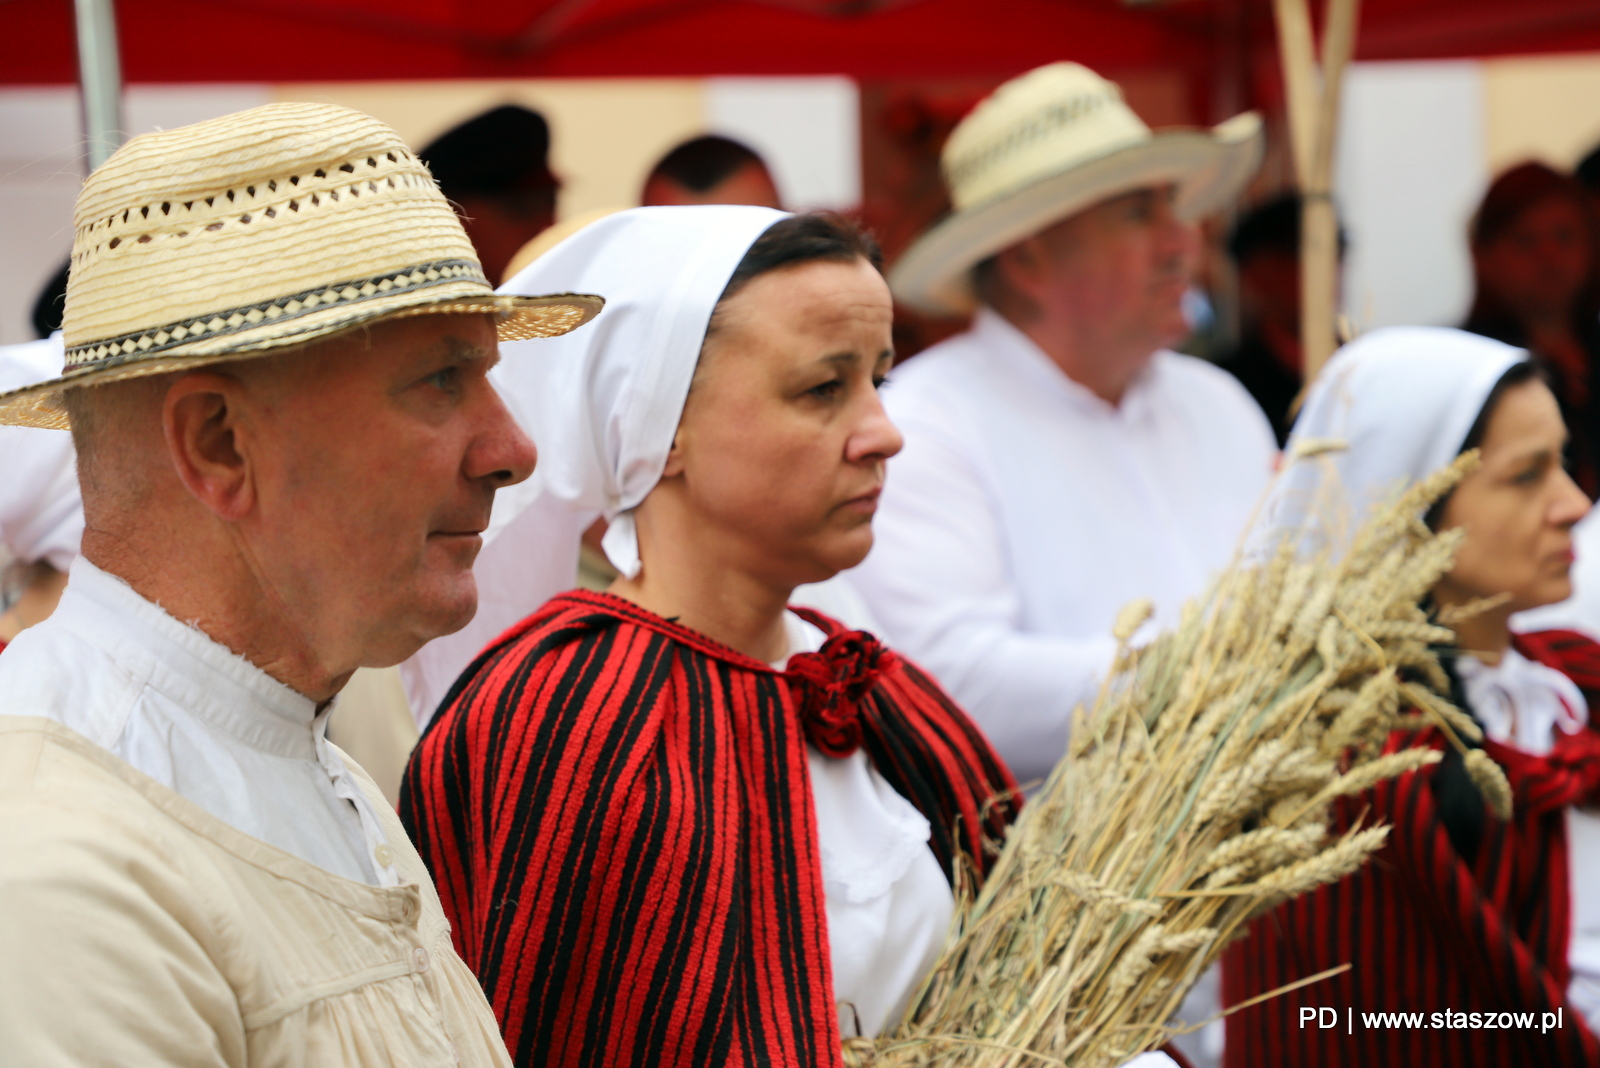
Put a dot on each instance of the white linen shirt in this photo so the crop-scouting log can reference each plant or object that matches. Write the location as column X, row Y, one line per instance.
column 1024, row 512
column 198, row 719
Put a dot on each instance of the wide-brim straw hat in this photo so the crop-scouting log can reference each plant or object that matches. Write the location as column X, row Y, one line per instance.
column 1045, row 146
column 255, row 232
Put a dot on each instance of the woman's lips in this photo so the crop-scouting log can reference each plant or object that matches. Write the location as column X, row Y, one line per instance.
column 866, row 502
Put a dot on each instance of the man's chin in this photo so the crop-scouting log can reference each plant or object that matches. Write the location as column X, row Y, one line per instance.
column 447, row 610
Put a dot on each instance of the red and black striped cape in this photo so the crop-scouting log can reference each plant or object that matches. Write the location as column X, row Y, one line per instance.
column 617, row 813
column 1426, row 931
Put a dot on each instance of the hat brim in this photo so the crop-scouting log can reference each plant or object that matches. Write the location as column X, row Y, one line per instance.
column 1209, row 167
column 519, row 319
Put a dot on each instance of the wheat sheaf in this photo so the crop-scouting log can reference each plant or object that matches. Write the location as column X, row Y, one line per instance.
column 1194, row 797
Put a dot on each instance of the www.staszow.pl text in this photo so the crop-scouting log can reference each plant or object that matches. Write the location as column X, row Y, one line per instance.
column 1447, row 1020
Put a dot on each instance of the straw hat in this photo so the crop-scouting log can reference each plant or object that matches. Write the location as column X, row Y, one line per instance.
column 1045, row 146
column 268, row 228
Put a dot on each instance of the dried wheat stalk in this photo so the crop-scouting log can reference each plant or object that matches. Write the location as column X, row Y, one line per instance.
column 1195, row 796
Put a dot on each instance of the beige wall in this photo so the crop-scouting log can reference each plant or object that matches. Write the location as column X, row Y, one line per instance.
column 606, row 133
column 1544, row 107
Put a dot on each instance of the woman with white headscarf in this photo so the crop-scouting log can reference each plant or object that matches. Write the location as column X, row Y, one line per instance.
column 1461, row 917
column 678, row 823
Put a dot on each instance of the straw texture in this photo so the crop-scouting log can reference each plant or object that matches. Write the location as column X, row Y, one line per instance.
column 270, row 227
column 1045, row 146
column 1195, row 797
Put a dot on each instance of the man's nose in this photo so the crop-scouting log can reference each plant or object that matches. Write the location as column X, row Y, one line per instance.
column 501, row 450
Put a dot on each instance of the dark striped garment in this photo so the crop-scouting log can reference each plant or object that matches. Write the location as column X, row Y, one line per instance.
column 617, row 813
column 1430, row 929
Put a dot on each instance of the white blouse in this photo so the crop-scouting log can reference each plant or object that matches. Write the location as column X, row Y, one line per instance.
column 887, row 900
column 198, row 719
column 1523, row 704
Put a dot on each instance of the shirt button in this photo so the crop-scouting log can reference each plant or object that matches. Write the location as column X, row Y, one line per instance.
column 411, row 911
column 419, row 960
column 384, row 856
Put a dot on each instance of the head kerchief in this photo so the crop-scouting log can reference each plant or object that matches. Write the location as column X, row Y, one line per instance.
column 603, row 408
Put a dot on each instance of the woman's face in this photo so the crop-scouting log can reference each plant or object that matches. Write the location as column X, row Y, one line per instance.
column 1541, row 262
column 1517, row 508
column 782, row 444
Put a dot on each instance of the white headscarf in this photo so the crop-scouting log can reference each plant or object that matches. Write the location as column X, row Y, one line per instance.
column 603, row 403
column 1401, row 401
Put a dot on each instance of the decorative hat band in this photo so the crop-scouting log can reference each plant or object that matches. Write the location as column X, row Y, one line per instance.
column 155, row 340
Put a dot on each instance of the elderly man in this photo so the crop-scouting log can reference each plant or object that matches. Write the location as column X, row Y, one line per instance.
column 1059, row 463
column 277, row 341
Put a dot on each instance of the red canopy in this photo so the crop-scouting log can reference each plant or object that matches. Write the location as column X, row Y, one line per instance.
column 324, row 40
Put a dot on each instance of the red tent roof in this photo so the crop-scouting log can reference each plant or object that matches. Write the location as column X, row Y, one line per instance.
column 322, row 40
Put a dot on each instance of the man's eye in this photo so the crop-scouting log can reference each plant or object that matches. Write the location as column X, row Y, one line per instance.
column 445, row 379
column 827, row 389
column 879, row 381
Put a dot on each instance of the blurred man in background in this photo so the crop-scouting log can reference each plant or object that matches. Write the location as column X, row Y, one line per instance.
column 1059, row 461
column 1265, row 249
column 710, row 170
column 495, row 169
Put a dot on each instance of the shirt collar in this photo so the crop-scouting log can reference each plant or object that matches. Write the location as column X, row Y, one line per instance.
column 1522, row 702
column 996, row 334
column 202, row 677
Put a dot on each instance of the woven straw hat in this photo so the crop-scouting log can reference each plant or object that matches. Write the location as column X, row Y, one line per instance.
column 1045, row 146
column 268, row 228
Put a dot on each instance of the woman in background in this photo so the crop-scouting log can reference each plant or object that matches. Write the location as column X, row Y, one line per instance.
column 1459, row 912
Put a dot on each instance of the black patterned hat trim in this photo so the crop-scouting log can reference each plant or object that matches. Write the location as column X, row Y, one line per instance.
column 156, row 340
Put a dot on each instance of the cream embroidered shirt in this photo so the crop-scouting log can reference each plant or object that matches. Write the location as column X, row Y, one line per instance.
column 191, row 874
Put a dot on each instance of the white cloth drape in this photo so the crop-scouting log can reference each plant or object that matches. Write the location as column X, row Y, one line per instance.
column 41, row 513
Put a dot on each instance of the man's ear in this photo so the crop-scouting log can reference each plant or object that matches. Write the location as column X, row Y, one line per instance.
column 200, row 419
column 1022, row 264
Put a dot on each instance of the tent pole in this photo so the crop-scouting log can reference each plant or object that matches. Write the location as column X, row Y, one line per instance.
column 1313, row 103
column 99, row 79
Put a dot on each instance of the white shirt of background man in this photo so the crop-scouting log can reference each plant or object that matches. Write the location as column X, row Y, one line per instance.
column 1025, row 512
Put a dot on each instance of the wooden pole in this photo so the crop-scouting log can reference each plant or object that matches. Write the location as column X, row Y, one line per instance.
column 1312, row 91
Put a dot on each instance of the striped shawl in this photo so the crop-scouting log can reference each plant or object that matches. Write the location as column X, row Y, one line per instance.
column 1428, row 930
column 617, row 814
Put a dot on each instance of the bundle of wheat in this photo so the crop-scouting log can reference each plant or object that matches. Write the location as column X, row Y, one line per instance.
column 1195, row 796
